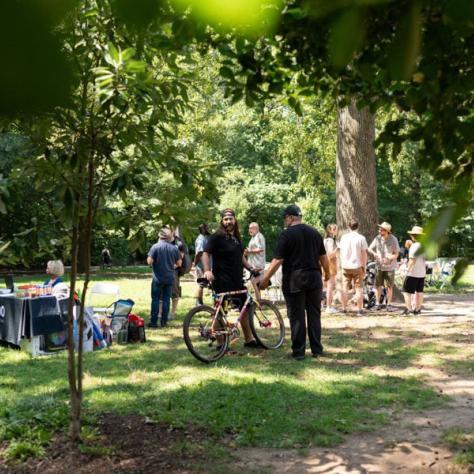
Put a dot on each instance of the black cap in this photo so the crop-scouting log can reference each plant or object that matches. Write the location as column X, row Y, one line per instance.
column 292, row 210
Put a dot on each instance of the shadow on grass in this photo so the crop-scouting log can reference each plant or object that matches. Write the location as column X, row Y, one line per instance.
column 259, row 399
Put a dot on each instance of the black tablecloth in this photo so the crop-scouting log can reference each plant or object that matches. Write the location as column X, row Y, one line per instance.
column 11, row 320
column 27, row 317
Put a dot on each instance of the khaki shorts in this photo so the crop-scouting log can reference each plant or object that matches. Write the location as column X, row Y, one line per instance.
column 333, row 266
column 353, row 277
column 387, row 277
column 176, row 290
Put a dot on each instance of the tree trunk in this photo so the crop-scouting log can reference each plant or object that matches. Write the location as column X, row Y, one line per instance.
column 356, row 184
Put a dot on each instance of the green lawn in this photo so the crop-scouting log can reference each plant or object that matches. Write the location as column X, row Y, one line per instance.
column 258, row 398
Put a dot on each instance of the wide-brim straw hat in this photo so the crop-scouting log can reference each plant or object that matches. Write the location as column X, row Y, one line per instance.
column 417, row 230
column 386, row 226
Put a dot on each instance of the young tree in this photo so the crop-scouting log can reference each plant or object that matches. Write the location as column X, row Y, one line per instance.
column 130, row 90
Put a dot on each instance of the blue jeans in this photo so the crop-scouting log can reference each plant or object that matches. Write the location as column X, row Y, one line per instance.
column 160, row 291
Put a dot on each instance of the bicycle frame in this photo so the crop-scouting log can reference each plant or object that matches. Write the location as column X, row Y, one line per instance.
column 220, row 298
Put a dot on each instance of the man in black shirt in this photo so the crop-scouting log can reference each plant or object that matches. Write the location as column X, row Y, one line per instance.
column 228, row 262
column 300, row 249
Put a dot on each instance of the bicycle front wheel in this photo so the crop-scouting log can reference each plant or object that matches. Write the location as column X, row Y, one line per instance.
column 267, row 324
column 205, row 336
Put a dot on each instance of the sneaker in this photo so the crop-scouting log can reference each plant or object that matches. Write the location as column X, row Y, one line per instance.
column 342, row 311
column 317, row 354
column 416, row 311
column 331, row 310
column 290, row 355
column 406, row 312
column 361, row 312
column 171, row 317
column 253, row 344
column 152, row 326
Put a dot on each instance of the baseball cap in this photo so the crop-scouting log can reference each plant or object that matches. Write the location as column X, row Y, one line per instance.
column 292, row 210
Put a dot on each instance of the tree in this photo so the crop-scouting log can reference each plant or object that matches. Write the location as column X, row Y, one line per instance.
column 117, row 125
column 356, row 184
column 412, row 54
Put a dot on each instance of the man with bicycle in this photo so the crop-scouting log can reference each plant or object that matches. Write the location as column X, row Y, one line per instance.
column 228, row 262
column 300, row 249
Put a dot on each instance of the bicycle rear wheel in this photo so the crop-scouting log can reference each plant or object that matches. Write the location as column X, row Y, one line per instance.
column 205, row 337
column 267, row 324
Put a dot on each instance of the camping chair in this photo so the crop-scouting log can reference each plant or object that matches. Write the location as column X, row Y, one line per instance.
column 103, row 289
column 446, row 272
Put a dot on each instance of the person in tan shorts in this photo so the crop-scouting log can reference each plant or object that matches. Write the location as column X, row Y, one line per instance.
column 331, row 251
column 353, row 254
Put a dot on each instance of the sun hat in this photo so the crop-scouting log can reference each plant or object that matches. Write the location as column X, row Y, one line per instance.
column 417, row 230
column 292, row 210
column 386, row 226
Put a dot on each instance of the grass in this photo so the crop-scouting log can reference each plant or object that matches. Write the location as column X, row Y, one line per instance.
column 258, row 399
column 462, row 442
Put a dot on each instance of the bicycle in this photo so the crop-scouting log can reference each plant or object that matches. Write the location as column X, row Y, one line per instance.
column 207, row 331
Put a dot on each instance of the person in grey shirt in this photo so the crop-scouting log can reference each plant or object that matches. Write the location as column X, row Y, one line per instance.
column 255, row 253
column 385, row 249
column 199, row 246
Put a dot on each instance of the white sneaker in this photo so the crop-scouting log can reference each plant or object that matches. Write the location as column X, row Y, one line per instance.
column 331, row 310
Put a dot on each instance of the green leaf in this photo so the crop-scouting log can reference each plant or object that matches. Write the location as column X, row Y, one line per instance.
column 347, row 35
column 460, row 11
column 112, row 55
column 128, row 54
column 226, row 72
column 405, row 48
column 135, row 67
column 459, row 269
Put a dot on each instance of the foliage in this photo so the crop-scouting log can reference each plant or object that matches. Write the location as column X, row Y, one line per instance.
column 414, row 55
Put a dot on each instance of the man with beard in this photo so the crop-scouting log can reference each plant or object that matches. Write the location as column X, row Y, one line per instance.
column 228, row 262
column 300, row 248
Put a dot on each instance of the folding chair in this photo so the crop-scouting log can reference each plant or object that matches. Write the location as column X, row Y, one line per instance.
column 446, row 273
column 103, row 289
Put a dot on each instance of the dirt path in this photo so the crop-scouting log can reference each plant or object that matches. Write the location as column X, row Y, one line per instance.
column 411, row 442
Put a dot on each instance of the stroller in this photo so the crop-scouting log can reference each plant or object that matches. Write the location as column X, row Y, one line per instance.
column 370, row 295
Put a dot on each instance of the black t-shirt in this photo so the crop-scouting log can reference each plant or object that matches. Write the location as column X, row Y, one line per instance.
column 300, row 247
column 227, row 265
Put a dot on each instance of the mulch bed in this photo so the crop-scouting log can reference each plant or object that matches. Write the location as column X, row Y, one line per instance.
column 135, row 445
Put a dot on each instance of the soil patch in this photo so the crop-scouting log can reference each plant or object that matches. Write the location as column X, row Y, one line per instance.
column 124, row 444
column 411, row 442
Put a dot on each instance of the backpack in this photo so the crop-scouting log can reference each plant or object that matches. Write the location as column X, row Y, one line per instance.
column 136, row 328
column 186, row 261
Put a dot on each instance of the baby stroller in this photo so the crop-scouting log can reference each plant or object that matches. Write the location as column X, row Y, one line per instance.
column 370, row 294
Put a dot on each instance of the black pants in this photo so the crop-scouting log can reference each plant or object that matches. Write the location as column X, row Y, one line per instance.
column 301, row 304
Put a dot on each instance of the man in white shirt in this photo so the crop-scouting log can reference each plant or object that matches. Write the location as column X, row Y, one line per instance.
column 353, row 255
column 255, row 253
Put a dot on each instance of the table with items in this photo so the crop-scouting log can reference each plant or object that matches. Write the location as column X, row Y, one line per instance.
column 25, row 320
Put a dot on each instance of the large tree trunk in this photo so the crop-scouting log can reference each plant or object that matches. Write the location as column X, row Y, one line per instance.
column 356, row 184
